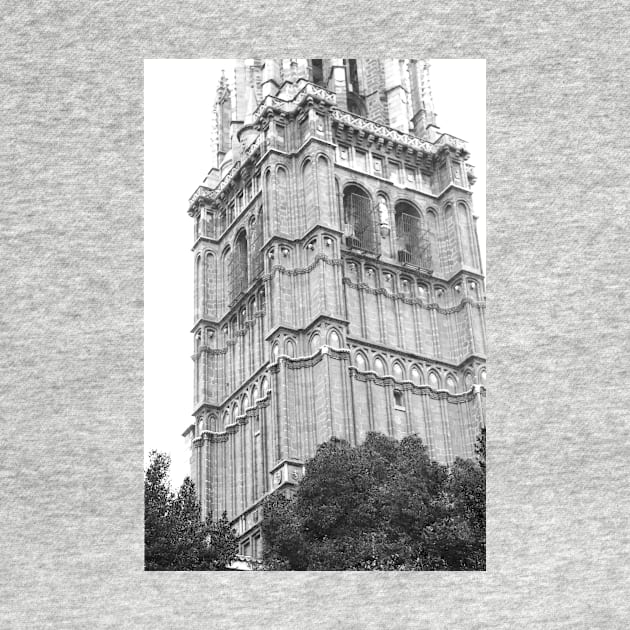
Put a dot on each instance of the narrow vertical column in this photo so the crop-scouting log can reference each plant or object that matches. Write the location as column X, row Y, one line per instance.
column 396, row 95
column 337, row 82
column 270, row 77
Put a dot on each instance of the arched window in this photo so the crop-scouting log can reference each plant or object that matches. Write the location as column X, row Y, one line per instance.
column 482, row 377
column 198, row 341
column 468, row 378
column 256, row 246
column 398, row 372
column 360, row 220
column 240, row 276
column 226, row 418
column 361, row 362
column 412, row 239
column 434, row 381
column 264, row 387
column 416, row 377
column 316, row 342
column 379, row 366
column 275, row 350
column 289, row 347
column 226, row 272
column 245, row 403
column 333, row 339
column 450, row 384
column 254, row 393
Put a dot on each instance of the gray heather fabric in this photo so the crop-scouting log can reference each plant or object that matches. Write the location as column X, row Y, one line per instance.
column 72, row 318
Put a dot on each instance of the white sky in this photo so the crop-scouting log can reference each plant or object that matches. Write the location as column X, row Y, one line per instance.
column 178, row 99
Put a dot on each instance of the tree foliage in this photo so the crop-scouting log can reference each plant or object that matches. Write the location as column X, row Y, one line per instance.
column 382, row 505
column 175, row 537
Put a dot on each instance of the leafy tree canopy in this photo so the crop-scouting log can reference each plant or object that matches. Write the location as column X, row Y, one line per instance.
column 382, row 505
column 175, row 537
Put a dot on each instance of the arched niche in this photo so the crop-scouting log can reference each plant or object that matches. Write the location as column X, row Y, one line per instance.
column 334, row 340
column 379, row 366
column 289, row 348
column 361, row 361
column 416, row 375
column 434, row 380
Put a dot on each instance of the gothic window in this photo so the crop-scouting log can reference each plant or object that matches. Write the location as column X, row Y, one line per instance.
column 289, row 348
column 434, row 381
column 333, row 339
column 199, row 287
column 360, row 220
column 469, row 380
column 264, row 386
column 235, row 411
column 226, row 418
column 198, row 341
column 245, row 403
column 311, row 247
column 482, row 377
column 398, row 372
column 256, row 230
column 315, row 342
column 254, row 393
column 379, row 366
column 370, row 277
column 226, row 271
column 416, row 377
column 275, row 350
column 239, row 273
column 406, row 286
column 412, row 239
column 261, row 300
column 450, row 384
column 361, row 362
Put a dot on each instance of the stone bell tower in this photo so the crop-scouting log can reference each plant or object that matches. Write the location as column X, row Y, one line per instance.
column 339, row 286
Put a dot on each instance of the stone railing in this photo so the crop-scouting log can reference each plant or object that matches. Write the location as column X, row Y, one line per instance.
column 369, row 126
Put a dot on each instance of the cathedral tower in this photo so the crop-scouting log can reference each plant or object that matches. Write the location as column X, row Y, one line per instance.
column 339, row 285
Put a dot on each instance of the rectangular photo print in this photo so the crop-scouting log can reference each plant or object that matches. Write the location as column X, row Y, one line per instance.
column 315, row 241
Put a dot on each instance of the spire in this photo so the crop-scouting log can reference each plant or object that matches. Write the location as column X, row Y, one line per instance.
column 223, row 88
column 251, row 101
column 223, row 107
column 424, row 124
column 427, row 95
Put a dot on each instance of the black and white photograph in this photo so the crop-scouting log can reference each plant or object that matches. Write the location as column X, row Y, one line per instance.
column 315, row 327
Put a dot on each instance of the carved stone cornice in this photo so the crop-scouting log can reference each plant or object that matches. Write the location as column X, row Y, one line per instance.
column 361, row 286
column 298, row 271
column 423, row 390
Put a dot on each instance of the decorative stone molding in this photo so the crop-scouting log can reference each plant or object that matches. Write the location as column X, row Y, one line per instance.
column 406, row 385
column 335, row 262
column 361, row 286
